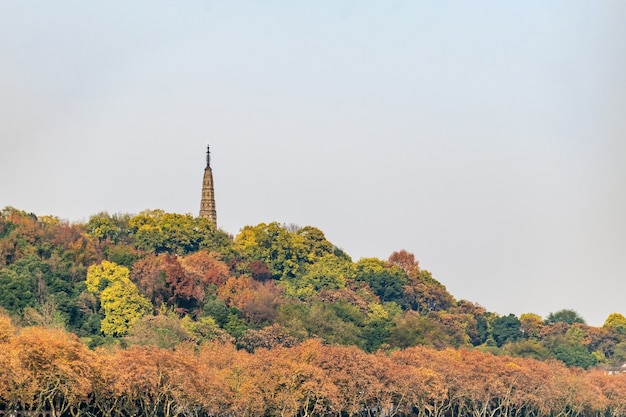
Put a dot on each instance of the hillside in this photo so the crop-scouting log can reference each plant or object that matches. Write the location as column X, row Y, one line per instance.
column 164, row 279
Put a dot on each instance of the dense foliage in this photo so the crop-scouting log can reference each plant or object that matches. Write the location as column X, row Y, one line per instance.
column 43, row 369
column 174, row 294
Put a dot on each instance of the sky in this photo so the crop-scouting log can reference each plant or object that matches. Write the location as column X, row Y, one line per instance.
column 486, row 137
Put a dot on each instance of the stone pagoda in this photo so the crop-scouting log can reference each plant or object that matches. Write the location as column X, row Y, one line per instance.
column 207, row 204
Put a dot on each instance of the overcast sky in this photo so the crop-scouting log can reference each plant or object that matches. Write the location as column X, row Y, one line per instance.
column 487, row 138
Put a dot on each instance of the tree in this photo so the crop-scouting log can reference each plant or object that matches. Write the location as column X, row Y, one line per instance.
column 18, row 385
column 618, row 356
column 205, row 329
column 104, row 274
column 424, row 294
column 141, row 382
column 564, row 316
column 150, row 276
column 457, row 326
column 616, row 322
column 122, row 306
column 475, row 319
column 528, row 349
column 121, row 302
column 573, row 354
column 531, row 325
column 217, row 309
column 330, row 272
column 284, row 252
column 412, row 329
column 269, row 337
column 157, row 231
column 205, row 268
column 187, row 293
column 16, row 291
column 336, row 322
column 104, row 226
column 420, row 381
column 7, row 330
column 21, row 234
column 570, row 347
column 122, row 254
column 379, row 324
column 406, row 261
column 385, row 280
column 60, row 364
column 315, row 242
column 257, row 301
column 506, row 329
column 164, row 331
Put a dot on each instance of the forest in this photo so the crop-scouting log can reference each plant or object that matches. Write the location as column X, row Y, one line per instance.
column 162, row 314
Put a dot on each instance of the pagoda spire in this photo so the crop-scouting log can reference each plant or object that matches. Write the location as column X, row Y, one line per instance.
column 207, row 204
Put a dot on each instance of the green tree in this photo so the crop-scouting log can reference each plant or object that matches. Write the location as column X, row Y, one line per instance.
column 16, row 291
column 218, row 310
column 506, row 329
column 564, row 316
column 380, row 322
column 528, row 349
column 205, row 329
column 157, row 231
column 336, row 322
column 282, row 251
column 330, row 272
column 104, row 226
column 574, row 354
column 31, row 281
column 314, row 242
column 412, row 329
column 618, row 356
column 387, row 281
column 286, row 251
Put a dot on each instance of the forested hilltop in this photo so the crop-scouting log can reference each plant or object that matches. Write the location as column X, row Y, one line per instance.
column 162, row 314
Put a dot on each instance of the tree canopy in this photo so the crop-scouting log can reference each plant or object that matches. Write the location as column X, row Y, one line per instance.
column 170, row 279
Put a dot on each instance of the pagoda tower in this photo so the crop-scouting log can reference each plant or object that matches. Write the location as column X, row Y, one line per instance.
column 207, row 204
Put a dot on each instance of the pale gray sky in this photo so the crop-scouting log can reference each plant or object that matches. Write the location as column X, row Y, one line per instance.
column 488, row 138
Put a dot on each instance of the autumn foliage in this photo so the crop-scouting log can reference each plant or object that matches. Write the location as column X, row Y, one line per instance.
column 162, row 314
column 50, row 369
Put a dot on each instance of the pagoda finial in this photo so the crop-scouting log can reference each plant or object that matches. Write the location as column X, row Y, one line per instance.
column 208, row 156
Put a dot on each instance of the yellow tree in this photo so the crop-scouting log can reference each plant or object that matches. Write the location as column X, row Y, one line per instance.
column 616, row 323
column 120, row 300
column 122, row 306
column 104, row 274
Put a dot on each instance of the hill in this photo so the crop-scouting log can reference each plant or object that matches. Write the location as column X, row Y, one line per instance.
column 164, row 279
